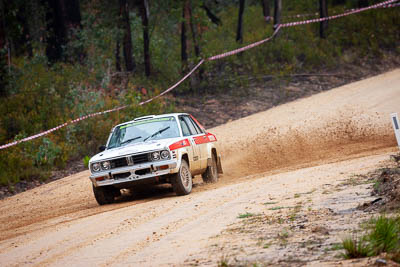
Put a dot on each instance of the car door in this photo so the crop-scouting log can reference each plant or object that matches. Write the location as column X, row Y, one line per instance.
column 188, row 131
column 201, row 140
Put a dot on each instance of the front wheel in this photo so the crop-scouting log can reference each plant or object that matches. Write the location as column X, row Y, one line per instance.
column 104, row 195
column 211, row 173
column 182, row 181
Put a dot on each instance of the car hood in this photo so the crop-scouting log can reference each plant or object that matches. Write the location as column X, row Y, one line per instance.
column 141, row 147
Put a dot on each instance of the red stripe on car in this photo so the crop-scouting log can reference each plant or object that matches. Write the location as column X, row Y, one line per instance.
column 179, row 144
column 209, row 137
column 198, row 123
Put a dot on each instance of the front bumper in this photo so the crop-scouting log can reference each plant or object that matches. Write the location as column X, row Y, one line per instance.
column 133, row 173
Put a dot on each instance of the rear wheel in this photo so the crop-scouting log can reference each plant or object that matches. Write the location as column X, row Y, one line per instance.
column 182, row 181
column 211, row 173
column 105, row 195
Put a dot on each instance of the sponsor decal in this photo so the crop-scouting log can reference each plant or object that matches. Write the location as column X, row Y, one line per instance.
column 209, row 137
column 179, row 144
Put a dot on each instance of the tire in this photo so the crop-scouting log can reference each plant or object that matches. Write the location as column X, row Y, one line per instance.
column 182, row 182
column 211, row 173
column 104, row 195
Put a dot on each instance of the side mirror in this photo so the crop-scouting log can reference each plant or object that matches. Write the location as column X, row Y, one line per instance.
column 102, row 148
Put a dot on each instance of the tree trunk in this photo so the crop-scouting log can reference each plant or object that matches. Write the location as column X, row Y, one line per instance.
column 3, row 52
column 211, row 15
column 266, row 10
column 63, row 19
column 277, row 13
column 195, row 39
column 72, row 12
column 23, row 41
column 144, row 10
column 363, row 3
column 117, row 56
column 338, row 2
column 184, row 55
column 239, row 33
column 127, row 39
column 194, row 33
column 323, row 12
column 57, row 32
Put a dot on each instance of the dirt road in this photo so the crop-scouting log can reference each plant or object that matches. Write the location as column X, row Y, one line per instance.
column 287, row 151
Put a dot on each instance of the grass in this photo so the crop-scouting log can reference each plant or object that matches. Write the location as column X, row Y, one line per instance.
column 310, row 192
column 357, row 179
column 270, row 203
column 267, row 245
column 383, row 237
column 355, row 248
column 334, row 247
column 245, row 215
column 223, row 262
column 377, row 185
column 278, row 208
column 283, row 237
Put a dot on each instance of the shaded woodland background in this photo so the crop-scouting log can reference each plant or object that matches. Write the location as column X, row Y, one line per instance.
column 62, row 59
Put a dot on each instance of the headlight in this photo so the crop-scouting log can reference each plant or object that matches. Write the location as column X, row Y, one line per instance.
column 105, row 165
column 155, row 156
column 164, row 154
column 96, row 167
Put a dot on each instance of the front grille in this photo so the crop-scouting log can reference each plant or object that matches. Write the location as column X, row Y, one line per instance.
column 141, row 158
column 123, row 162
column 120, row 162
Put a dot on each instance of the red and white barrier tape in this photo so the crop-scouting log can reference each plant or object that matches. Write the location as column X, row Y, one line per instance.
column 97, row 113
column 296, row 23
column 230, row 53
column 317, row 13
column 391, row 5
column 175, row 85
column 59, row 127
column 236, row 51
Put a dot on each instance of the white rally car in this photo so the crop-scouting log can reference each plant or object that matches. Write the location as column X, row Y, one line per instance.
column 169, row 148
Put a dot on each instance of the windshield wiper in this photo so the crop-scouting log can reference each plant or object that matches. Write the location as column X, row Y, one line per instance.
column 130, row 140
column 154, row 134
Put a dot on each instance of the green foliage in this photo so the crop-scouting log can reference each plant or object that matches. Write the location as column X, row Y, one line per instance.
column 383, row 236
column 36, row 97
column 47, row 154
column 86, row 161
column 54, row 95
column 245, row 215
column 297, row 49
column 355, row 248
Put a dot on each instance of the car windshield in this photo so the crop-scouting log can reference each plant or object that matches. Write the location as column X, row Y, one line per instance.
column 142, row 131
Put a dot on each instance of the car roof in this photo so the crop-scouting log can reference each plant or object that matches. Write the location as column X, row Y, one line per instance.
column 152, row 117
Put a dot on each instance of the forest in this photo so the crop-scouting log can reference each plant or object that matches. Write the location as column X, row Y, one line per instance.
column 63, row 59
